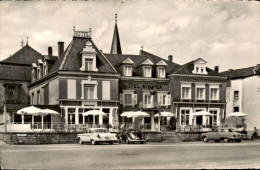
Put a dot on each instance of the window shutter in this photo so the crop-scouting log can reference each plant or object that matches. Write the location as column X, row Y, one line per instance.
column 160, row 99
column 152, row 102
column 168, row 99
column 121, row 98
column 135, row 99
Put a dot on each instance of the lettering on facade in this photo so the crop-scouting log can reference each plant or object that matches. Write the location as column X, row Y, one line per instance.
column 144, row 86
column 81, row 34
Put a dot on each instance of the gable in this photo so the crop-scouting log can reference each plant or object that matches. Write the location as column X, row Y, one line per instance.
column 200, row 61
column 147, row 62
column 161, row 63
column 128, row 61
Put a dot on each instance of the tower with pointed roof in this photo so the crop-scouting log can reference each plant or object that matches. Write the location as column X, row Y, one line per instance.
column 116, row 46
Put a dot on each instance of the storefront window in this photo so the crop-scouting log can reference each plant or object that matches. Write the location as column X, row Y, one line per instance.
column 185, row 116
column 213, row 118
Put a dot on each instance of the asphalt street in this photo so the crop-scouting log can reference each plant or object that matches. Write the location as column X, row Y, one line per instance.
column 133, row 156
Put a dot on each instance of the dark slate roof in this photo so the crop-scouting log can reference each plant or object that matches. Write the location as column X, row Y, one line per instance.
column 116, row 46
column 188, row 68
column 15, row 72
column 69, row 61
column 52, row 58
column 241, row 73
column 117, row 59
column 25, row 56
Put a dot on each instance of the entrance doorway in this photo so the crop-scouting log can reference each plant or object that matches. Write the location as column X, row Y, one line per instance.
column 199, row 120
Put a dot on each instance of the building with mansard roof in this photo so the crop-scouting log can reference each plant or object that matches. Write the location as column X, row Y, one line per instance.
column 15, row 76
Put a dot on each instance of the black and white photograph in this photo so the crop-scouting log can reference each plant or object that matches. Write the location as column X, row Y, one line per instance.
column 130, row 84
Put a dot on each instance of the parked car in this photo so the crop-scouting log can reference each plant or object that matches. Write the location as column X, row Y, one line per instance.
column 132, row 136
column 226, row 135
column 97, row 135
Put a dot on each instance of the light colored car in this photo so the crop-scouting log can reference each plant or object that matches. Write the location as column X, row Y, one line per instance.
column 226, row 135
column 97, row 135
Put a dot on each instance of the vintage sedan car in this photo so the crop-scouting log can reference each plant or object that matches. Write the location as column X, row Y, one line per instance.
column 97, row 135
column 226, row 135
column 132, row 136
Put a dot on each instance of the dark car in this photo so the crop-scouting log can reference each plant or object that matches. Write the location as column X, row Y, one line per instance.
column 132, row 136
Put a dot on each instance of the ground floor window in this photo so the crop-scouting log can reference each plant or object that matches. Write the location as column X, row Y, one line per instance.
column 213, row 118
column 185, row 116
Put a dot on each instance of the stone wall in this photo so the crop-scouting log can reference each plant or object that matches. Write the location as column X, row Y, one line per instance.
column 38, row 138
column 189, row 136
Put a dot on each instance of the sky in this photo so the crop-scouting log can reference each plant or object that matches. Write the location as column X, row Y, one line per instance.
column 225, row 34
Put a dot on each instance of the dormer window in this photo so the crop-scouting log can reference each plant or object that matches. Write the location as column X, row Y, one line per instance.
column 127, row 70
column 199, row 66
column 147, row 71
column 161, row 72
column 89, row 64
column 160, row 66
column 89, row 58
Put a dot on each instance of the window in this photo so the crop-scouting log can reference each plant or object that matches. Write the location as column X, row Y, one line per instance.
column 161, row 72
column 214, row 91
column 32, row 102
column 200, row 93
column 164, row 99
column 89, row 64
column 201, row 69
column 185, row 117
column 186, row 92
column 236, row 109
column 236, row 95
column 106, row 90
column 213, row 118
column 89, row 91
column 38, row 97
column 128, row 71
column 71, row 115
column 147, row 100
column 11, row 90
column 128, row 99
column 147, row 72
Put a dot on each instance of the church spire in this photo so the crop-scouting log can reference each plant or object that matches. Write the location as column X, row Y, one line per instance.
column 116, row 46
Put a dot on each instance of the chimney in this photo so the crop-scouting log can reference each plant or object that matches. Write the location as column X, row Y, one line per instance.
column 49, row 51
column 60, row 48
column 170, row 58
column 216, row 68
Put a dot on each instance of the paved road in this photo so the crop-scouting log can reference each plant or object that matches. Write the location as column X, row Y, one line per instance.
column 152, row 155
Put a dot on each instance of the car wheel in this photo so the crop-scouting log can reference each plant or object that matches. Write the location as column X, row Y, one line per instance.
column 80, row 141
column 238, row 140
column 226, row 140
column 93, row 142
column 142, row 142
column 205, row 139
column 110, row 143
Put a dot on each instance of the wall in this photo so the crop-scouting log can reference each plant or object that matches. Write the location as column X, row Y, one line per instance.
column 52, row 88
column 251, row 101
column 64, row 88
column 38, row 138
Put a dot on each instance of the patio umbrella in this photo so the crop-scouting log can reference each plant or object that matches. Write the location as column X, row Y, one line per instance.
column 29, row 111
column 165, row 114
column 201, row 113
column 138, row 114
column 50, row 112
column 237, row 114
column 94, row 113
